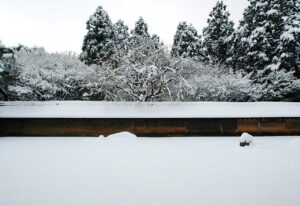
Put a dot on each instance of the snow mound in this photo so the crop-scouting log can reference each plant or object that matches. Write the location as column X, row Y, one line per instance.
column 246, row 139
column 122, row 135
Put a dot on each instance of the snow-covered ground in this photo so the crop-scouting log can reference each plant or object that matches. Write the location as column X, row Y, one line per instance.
column 81, row 109
column 132, row 171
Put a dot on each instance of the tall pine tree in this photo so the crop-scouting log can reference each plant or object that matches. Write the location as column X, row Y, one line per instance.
column 268, row 36
column 264, row 39
column 140, row 29
column 121, row 31
column 139, row 34
column 241, row 43
column 187, row 42
column 289, row 44
column 260, row 48
column 157, row 43
column 98, row 43
column 140, row 45
column 217, row 35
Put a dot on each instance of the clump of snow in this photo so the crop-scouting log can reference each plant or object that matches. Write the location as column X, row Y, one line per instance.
column 287, row 36
column 122, row 135
column 7, row 55
column 20, row 89
column 272, row 12
column 246, row 139
column 261, row 4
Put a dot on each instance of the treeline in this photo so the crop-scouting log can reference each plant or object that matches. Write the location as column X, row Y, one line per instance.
column 258, row 61
column 267, row 37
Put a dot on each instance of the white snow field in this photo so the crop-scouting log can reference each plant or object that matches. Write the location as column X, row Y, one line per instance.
column 129, row 171
column 81, row 109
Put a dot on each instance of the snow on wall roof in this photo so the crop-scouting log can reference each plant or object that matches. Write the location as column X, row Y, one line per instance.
column 79, row 109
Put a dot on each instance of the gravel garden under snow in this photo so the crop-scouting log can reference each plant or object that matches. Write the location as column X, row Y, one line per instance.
column 128, row 171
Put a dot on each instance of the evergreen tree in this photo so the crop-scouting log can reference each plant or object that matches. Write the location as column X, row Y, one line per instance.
column 268, row 36
column 98, row 43
column 138, row 47
column 139, row 34
column 289, row 45
column 264, row 39
column 187, row 42
column 157, row 44
column 218, row 34
column 176, row 47
column 266, row 45
column 121, row 31
column 140, row 29
column 241, row 43
column 7, row 70
column 256, row 38
column 275, row 85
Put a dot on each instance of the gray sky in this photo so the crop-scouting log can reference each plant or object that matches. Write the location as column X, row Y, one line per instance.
column 59, row 25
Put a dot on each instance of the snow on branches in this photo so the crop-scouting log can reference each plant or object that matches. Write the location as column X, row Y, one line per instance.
column 53, row 76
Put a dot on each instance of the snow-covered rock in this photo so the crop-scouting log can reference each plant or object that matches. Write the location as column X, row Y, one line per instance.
column 246, row 139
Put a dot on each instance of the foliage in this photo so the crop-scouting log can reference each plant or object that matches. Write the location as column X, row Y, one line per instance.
column 268, row 36
column 121, row 32
column 7, row 71
column 142, row 73
column 45, row 76
column 98, row 43
column 276, row 85
column 257, row 62
column 218, row 35
column 289, row 45
column 187, row 43
column 140, row 29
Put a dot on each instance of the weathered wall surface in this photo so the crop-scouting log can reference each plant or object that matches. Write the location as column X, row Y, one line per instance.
column 147, row 127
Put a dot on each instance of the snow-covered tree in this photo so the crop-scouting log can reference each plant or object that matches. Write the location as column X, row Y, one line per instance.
column 140, row 29
column 187, row 42
column 98, row 43
column 275, row 85
column 6, row 57
column 289, row 45
column 142, row 74
column 138, row 47
column 139, row 50
column 144, row 83
column 121, row 31
column 201, row 82
column 7, row 71
column 217, row 36
column 268, row 36
column 241, row 43
column 47, row 76
column 157, row 43
column 264, row 39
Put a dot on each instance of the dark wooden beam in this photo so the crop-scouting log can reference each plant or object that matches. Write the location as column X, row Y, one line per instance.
column 148, row 127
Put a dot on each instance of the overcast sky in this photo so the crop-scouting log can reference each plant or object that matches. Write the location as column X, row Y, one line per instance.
column 59, row 25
